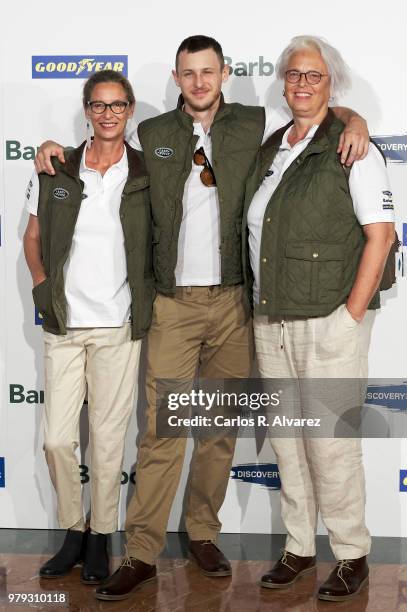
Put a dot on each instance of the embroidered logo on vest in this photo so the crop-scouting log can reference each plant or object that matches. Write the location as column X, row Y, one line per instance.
column 164, row 152
column 60, row 193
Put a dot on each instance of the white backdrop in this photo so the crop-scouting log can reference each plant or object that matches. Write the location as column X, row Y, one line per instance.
column 371, row 37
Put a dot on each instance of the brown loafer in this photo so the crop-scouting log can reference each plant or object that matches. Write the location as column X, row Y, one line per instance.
column 287, row 570
column 131, row 575
column 210, row 560
column 346, row 580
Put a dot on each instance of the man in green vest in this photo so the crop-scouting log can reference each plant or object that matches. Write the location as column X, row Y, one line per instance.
column 198, row 157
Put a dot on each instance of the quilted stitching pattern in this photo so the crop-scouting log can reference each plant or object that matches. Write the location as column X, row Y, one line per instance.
column 236, row 137
column 314, row 242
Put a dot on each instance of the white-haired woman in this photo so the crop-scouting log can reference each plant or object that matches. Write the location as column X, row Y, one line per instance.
column 318, row 239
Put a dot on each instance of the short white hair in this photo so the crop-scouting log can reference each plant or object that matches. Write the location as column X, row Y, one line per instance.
column 338, row 70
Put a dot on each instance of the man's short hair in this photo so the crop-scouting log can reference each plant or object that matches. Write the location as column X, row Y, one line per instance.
column 107, row 76
column 199, row 42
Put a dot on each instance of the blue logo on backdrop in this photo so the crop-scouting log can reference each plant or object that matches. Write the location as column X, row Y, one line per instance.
column 404, row 234
column 393, row 397
column 394, row 148
column 38, row 317
column 2, row 473
column 264, row 474
column 76, row 66
column 403, row 480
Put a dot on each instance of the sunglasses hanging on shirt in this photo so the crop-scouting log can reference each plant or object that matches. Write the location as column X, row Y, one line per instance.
column 207, row 175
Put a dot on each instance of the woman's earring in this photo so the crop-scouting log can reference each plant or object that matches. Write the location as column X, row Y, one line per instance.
column 284, row 93
column 88, row 135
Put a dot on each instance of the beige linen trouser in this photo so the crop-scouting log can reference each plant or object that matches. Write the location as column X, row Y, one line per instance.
column 105, row 361
column 323, row 474
column 205, row 328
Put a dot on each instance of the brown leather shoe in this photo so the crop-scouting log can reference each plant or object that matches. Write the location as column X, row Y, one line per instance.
column 130, row 576
column 346, row 580
column 210, row 560
column 287, row 570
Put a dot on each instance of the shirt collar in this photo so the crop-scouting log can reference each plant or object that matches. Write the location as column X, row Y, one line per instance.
column 310, row 134
column 122, row 164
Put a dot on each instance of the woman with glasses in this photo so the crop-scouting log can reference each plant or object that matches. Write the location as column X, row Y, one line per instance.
column 88, row 248
column 319, row 236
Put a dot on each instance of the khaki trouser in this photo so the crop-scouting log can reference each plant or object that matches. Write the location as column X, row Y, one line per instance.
column 205, row 328
column 105, row 361
column 323, row 474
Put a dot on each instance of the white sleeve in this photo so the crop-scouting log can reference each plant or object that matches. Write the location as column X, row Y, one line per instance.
column 32, row 194
column 275, row 119
column 370, row 189
column 133, row 140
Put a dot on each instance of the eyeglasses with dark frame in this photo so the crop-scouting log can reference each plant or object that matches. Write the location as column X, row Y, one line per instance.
column 117, row 107
column 313, row 77
column 207, row 175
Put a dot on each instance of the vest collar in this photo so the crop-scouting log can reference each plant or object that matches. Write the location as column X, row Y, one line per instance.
column 187, row 120
column 73, row 159
column 319, row 143
column 321, row 136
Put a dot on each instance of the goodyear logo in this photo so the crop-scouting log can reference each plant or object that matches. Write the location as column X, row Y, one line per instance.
column 2, row 473
column 263, row 474
column 394, row 148
column 403, row 481
column 76, row 66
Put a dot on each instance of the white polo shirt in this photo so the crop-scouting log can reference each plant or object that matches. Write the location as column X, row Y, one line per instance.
column 199, row 261
column 95, row 273
column 368, row 184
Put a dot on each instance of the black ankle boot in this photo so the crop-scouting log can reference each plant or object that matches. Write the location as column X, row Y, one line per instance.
column 67, row 557
column 96, row 566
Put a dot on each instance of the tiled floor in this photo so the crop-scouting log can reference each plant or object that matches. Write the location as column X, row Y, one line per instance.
column 181, row 587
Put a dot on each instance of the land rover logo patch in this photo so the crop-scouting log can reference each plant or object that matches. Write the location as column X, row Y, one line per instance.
column 60, row 193
column 164, row 152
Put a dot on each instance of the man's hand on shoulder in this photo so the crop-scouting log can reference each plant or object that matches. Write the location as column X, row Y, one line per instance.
column 48, row 149
column 354, row 140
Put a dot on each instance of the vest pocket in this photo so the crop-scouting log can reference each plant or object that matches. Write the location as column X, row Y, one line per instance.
column 42, row 296
column 314, row 271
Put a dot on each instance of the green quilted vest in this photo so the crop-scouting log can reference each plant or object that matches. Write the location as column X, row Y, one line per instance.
column 311, row 240
column 168, row 143
column 57, row 218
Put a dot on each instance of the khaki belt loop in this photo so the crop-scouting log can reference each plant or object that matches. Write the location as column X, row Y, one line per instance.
column 188, row 290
